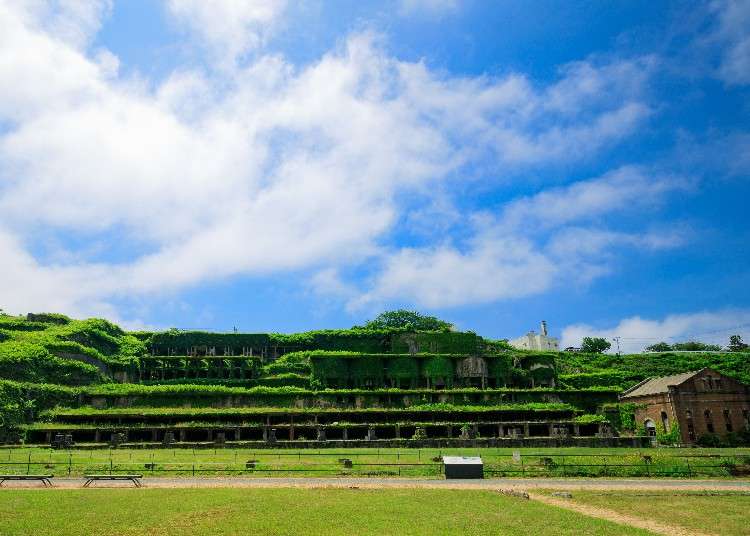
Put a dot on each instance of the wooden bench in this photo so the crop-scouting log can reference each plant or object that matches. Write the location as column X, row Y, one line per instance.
column 135, row 479
column 44, row 479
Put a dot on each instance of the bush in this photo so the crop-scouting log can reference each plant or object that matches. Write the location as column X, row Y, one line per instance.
column 709, row 440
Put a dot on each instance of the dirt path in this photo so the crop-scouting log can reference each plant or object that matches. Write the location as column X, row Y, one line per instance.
column 381, row 483
column 616, row 517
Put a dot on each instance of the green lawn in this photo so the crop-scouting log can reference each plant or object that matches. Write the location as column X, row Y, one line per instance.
column 176, row 512
column 726, row 514
column 561, row 462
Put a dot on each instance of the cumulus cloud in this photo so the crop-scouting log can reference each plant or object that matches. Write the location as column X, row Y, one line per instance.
column 267, row 167
column 229, row 27
column 636, row 333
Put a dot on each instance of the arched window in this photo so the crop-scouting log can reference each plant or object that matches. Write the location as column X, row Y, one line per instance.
column 665, row 421
column 728, row 420
column 650, row 428
column 709, row 421
column 690, row 426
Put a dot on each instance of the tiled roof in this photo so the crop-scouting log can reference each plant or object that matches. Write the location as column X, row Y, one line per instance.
column 654, row 386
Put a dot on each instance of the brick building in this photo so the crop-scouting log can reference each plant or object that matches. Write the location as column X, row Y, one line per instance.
column 701, row 402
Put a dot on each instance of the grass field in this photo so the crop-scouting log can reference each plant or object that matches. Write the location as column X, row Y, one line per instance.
column 176, row 512
column 727, row 514
column 561, row 462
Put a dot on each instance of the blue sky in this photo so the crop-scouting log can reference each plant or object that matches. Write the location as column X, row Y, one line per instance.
column 284, row 166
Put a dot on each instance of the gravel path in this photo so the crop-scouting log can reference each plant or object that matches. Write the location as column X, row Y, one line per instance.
column 487, row 484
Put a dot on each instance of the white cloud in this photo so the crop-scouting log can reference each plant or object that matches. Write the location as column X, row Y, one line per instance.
column 73, row 22
column 622, row 188
column 492, row 268
column 264, row 167
column 534, row 243
column 229, row 27
column 636, row 333
column 734, row 35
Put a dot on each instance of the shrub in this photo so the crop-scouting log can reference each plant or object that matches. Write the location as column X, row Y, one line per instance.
column 709, row 440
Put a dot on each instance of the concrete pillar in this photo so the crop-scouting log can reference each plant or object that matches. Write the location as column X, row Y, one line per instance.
column 209, row 435
column 236, row 434
column 48, row 437
column 154, row 435
column 182, row 435
column 525, row 429
column 345, row 433
column 398, row 431
column 291, row 432
column 500, row 430
column 448, row 430
column 551, row 429
column 576, row 430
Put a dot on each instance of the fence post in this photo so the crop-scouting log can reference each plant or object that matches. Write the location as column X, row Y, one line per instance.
column 28, row 466
column 110, row 465
column 193, row 469
column 70, row 462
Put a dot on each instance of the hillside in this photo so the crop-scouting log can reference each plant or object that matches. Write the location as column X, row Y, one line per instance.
column 58, row 373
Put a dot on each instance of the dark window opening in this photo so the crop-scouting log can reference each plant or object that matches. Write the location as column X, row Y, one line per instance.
column 709, row 421
column 665, row 421
column 728, row 420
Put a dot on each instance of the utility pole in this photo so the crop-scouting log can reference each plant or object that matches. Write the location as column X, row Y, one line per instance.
column 617, row 340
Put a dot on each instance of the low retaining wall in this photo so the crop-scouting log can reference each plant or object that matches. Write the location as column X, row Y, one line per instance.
column 491, row 442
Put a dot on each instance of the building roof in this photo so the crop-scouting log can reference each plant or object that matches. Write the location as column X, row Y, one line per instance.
column 654, row 386
column 462, row 460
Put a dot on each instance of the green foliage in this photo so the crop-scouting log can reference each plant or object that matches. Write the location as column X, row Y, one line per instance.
column 695, row 346
column 49, row 318
column 595, row 345
column 160, row 342
column 610, row 378
column 403, row 369
column 410, row 320
column 367, row 371
column 736, row 344
column 294, row 362
column 621, row 416
column 436, row 342
column 659, row 347
column 500, row 368
column 590, row 419
column 673, row 437
column 690, row 346
column 21, row 402
column 18, row 323
column 709, row 440
column 438, row 367
column 497, row 346
column 637, row 367
column 29, row 362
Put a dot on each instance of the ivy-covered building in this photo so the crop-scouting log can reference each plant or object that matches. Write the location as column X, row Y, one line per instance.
column 431, row 371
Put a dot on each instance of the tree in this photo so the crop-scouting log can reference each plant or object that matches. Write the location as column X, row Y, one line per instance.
column 595, row 345
column 408, row 319
column 659, row 347
column 736, row 344
column 695, row 346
